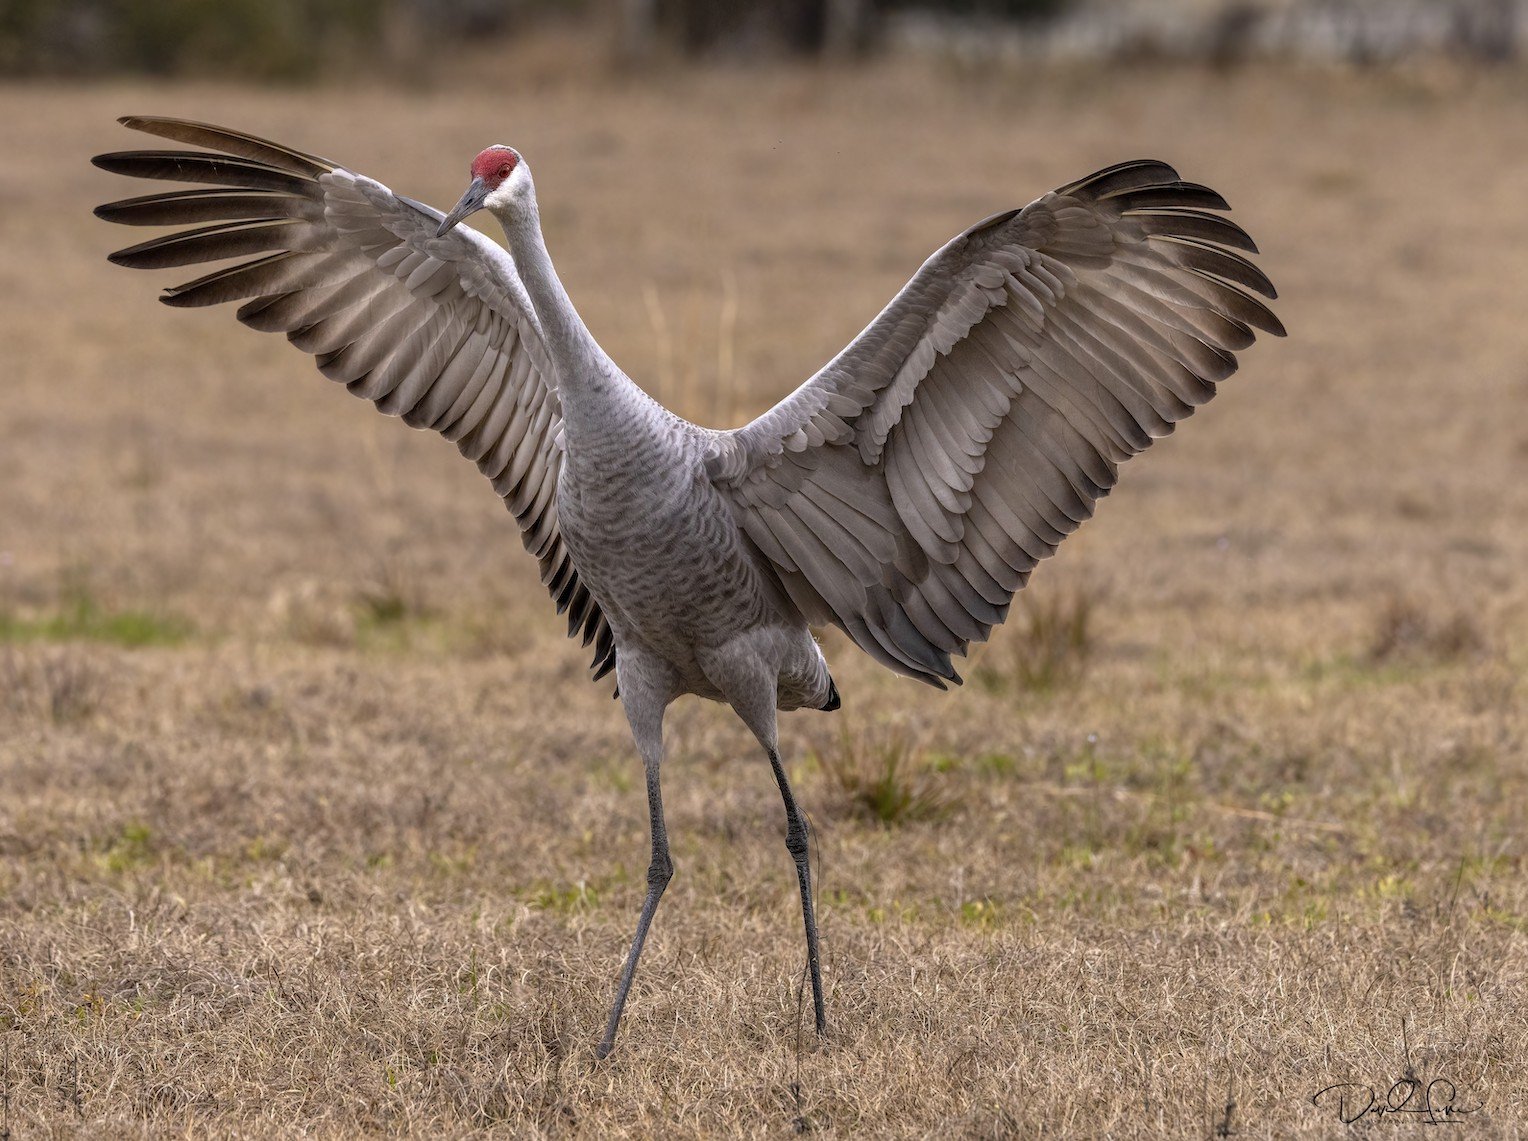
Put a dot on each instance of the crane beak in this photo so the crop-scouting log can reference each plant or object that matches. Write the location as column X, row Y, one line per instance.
column 471, row 202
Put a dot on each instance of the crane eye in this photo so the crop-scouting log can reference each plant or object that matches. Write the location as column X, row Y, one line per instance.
column 504, row 170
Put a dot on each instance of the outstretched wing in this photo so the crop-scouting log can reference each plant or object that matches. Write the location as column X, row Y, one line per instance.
column 905, row 492
column 437, row 330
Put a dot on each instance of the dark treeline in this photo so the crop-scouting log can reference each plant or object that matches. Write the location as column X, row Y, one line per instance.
column 297, row 39
column 264, row 39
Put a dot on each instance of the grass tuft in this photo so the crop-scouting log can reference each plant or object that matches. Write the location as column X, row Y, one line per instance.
column 1051, row 649
column 391, row 606
column 131, row 849
column 564, row 899
column 1406, row 632
column 60, row 687
column 885, row 778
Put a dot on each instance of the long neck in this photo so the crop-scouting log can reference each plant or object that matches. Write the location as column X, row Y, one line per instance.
column 596, row 396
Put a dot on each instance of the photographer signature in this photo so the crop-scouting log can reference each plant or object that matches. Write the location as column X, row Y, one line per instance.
column 1426, row 1103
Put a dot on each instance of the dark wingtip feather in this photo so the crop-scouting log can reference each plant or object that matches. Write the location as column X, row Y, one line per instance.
column 1209, row 258
column 182, row 207
column 602, row 665
column 1123, row 177
column 205, row 167
column 114, row 162
column 229, row 141
column 217, row 242
column 180, row 297
column 1184, row 221
column 1168, row 194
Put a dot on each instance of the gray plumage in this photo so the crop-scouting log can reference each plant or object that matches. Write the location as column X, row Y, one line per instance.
column 903, row 494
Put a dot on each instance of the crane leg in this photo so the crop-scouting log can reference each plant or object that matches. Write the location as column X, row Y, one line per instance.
column 659, row 872
column 644, row 704
column 797, row 839
column 743, row 672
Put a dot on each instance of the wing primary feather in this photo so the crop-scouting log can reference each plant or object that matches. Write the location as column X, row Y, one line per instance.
column 183, row 207
column 1172, row 194
column 1207, row 258
column 196, row 166
column 219, row 242
column 1122, row 176
column 224, row 139
column 1188, row 223
column 274, row 273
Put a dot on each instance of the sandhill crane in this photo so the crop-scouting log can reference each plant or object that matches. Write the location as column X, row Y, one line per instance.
column 902, row 494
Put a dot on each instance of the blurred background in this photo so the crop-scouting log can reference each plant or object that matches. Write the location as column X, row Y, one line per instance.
column 296, row 39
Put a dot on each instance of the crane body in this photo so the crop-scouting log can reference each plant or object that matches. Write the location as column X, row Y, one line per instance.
column 903, row 493
column 644, row 566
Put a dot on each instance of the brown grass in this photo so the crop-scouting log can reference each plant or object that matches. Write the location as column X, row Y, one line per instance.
column 359, row 850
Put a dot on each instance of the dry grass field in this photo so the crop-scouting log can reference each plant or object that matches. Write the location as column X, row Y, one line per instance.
column 311, row 824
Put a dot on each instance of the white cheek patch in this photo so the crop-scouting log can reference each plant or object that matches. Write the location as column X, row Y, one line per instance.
column 501, row 197
column 509, row 191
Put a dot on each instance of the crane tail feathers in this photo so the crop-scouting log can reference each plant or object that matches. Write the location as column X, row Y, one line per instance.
column 834, row 702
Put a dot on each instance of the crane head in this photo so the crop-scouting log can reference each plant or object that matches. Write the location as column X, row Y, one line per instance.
column 492, row 170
